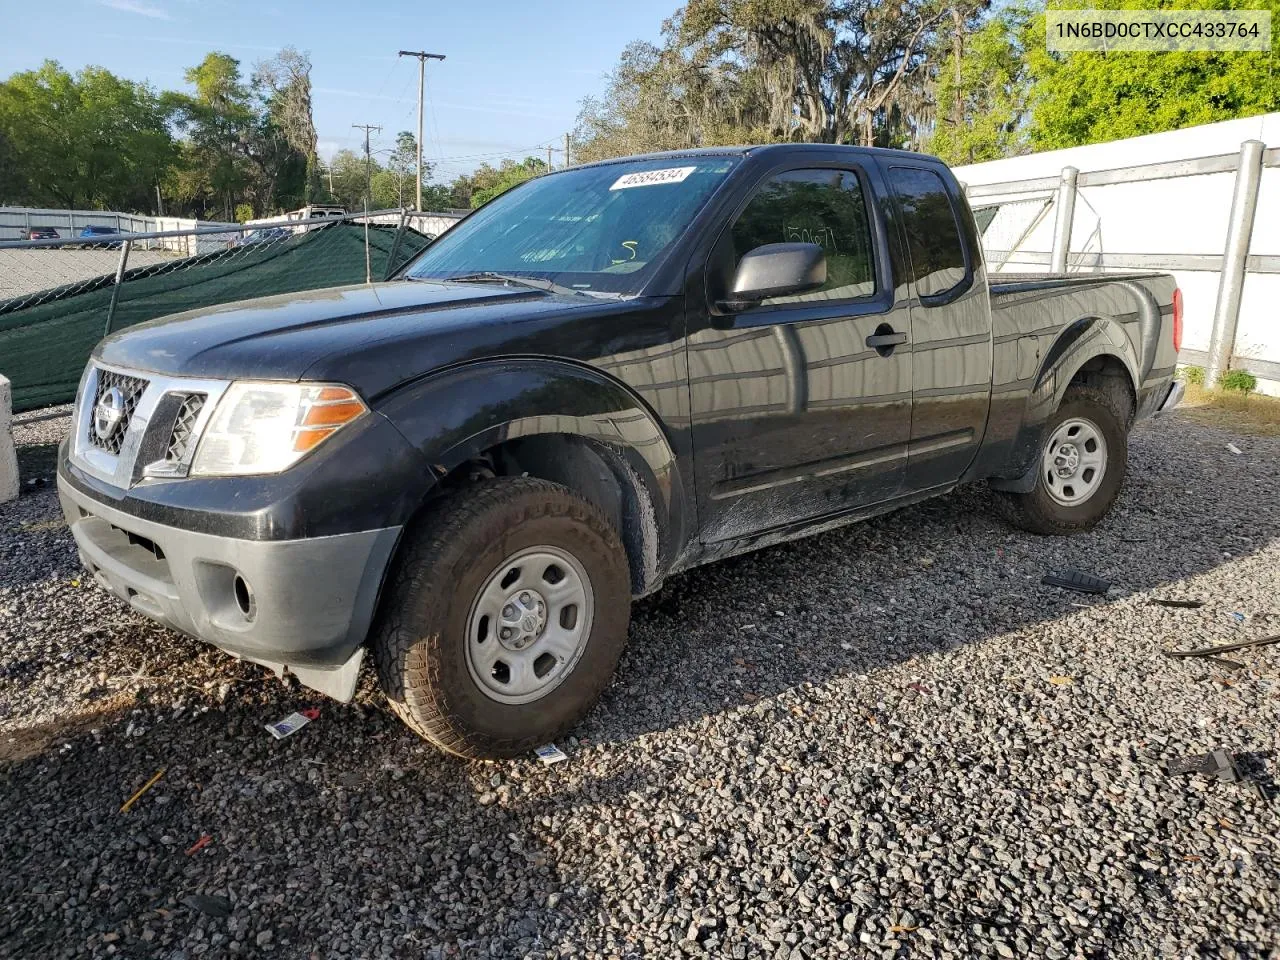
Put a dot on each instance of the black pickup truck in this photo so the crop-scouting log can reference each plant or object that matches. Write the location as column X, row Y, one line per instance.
column 602, row 377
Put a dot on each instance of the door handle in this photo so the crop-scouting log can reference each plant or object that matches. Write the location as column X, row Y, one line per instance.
column 885, row 339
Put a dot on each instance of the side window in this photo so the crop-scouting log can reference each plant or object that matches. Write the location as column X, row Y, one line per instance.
column 825, row 207
column 933, row 234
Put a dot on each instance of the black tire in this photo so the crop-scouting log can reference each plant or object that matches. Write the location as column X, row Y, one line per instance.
column 419, row 641
column 1037, row 511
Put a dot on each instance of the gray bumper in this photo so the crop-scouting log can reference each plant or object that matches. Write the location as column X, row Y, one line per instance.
column 304, row 604
column 1177, row 390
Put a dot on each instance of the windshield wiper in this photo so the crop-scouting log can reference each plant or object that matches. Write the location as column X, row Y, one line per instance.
column 536, row 283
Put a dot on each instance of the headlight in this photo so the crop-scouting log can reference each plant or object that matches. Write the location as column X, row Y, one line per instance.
column 268, row 427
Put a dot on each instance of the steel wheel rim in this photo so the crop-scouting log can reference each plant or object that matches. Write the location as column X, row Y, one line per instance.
column 1074, row 461
column 529, row 624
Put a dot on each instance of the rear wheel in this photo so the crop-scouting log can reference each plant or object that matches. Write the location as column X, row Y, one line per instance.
column 506, row 618
column 1081, row 465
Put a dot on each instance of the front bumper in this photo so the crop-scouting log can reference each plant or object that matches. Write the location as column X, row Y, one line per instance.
column 302, row 604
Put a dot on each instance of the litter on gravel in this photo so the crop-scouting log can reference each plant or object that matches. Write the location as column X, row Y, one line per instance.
column 128, row 804
column 549, row 753
column 292, row 723
column 1223, row 648
column 1078, row 581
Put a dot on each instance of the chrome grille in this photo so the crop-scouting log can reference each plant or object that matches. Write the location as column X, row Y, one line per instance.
column 131, row 389
column 184, row 427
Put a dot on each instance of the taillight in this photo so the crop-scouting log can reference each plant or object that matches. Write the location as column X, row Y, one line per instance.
column 1177, row 320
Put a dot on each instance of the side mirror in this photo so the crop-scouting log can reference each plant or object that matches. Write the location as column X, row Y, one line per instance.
column 775, row 270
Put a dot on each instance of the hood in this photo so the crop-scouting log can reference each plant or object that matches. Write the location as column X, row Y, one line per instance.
column 283, row 337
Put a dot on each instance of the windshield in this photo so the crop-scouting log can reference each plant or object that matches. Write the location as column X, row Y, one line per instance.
column 595, row 229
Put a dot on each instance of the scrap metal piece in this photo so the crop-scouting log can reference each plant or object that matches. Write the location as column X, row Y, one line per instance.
column 1078, row 581
column 1223, row 648
column 1216, row 763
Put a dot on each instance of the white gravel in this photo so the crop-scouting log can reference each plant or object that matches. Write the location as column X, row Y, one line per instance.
column 886, row 741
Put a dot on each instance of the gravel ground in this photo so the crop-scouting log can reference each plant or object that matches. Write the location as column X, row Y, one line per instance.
column 886, row 741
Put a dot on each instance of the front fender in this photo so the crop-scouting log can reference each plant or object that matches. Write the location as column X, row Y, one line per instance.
column 455, row 415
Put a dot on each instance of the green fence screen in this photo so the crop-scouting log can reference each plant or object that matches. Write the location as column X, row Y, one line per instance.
column 45, row 340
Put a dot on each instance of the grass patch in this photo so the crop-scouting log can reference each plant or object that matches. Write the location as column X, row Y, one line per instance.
column 1231, row 410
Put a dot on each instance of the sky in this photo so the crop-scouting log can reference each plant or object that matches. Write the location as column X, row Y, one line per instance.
column 511, row 83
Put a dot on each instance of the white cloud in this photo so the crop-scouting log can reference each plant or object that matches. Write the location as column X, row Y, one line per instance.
column 136, row 6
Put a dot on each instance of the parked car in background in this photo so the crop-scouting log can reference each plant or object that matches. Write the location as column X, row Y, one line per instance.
column 39, row 233
column 97, row 234
column 604, row 376
column 264, row 235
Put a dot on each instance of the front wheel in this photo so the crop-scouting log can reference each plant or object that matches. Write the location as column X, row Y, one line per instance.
column 506, row 618
column 1081, row 465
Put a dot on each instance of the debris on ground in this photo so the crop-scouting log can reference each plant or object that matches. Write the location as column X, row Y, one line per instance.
column 200, row 844
column 1218, row 763
column 1078, row 581
column 212, row 906
column 1223, row 648
column 292, row 723
column 1180, row 604
column 549, row 753
column 128, row 804
column 1061, row 681
column 1234, row 449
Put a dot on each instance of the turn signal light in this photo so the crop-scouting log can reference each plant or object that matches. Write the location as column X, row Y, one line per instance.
column 333, row 408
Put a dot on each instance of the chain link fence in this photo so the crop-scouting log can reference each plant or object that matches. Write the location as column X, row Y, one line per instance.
column 1005, row 226
column 58, row 298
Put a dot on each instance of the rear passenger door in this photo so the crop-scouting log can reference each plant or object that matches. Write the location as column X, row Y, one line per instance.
column 950, row 323
column 795, row 414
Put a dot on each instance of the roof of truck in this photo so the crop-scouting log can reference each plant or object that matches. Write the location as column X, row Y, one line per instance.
column 763, row 148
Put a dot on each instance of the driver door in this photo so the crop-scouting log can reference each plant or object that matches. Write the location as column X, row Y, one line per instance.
column 799, row 407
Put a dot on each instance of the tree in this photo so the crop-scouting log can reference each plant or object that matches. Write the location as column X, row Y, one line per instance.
column 980, row 88
column 488, row 182
column 347, row 174
column 395, row 185
column 218, row 123
column 92, row 140
column 830, row 71
column 285, row 84
column 1082, row 98
column 251, row 142
column 438, row 197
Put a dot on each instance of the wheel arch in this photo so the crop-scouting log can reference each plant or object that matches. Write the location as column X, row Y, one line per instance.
column 559, row 421
column 1092, row 350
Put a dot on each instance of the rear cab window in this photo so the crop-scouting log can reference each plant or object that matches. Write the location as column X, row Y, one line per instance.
column 939, row 266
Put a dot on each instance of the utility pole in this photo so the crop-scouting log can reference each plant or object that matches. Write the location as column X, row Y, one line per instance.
column 423, row 57
column 548, row 158
column 566, row 152
column 368, row 162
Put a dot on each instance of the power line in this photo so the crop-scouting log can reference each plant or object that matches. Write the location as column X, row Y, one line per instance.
column 423, row 57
